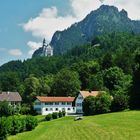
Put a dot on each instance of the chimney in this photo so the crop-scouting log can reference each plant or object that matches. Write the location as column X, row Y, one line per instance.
column 89, row 91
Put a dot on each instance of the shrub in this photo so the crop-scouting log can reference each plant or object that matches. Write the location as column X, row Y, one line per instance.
column 9, row 124
column 103, row 103
column 31, row 122
column 23, row 124
column 89, row 105
column 48, row 117
column 60, row 114
column 5, row 109
column 97, row 105
column 3, row 128
column 55, row 115
column 25, row 109
column 120, row 102
column 63, row 113
column 16, row 125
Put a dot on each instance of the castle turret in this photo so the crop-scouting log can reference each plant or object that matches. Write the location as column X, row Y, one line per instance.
column 49, row 50
column 45, row 50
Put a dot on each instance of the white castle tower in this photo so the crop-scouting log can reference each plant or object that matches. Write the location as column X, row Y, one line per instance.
column 47, row 49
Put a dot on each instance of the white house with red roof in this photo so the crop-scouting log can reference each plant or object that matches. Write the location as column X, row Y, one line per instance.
column 47, row 105
column 80, row 98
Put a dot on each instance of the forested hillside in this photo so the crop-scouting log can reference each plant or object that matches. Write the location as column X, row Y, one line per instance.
column 111, row 62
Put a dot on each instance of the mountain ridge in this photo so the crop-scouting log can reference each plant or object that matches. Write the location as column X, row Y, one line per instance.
column 106, row 19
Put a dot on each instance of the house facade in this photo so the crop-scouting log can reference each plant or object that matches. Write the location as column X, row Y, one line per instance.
column 47, row 105
column 13, row 98
column 80, row 98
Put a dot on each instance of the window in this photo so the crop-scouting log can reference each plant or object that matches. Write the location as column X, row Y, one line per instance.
column 51, row 109
column 46, row 109
column 49, row 103
column 79, row 104
column 80, row 98
column 38, row 109
column 68, row 108
column 63, row 109
column 63, row 103
column 56, row 109
column 79, row 111
column 12, row 103
column 68, row 103
column 56, row 103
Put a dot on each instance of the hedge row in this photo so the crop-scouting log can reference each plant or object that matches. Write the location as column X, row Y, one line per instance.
column 14, row 124
column 55, row 115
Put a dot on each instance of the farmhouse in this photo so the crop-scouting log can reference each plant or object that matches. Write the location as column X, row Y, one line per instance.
column 12, row 97
column 80, row 98
column 46, row 105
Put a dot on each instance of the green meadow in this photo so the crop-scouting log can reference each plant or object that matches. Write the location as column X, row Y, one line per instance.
column 113, row 126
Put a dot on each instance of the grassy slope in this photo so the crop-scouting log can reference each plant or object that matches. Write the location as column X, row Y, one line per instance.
column 114, row 126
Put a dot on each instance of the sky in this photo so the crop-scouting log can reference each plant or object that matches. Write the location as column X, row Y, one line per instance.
column 24, row 23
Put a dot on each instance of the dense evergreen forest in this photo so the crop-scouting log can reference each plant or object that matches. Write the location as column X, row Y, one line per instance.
column 110, row 62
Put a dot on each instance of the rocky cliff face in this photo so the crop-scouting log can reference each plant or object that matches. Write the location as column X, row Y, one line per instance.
column 104, row 20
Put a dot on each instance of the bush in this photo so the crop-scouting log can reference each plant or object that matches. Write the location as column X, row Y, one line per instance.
column 16, row 125
column 119, row 103
column 31, row 123
column 97, row 105
column 89, row 105
column 55, row 115
column 23, row 124
column 5, row 109
column 60, row 114
column 25, row 109
column 48, row 117
column 103, row 103
column 3, row 128
column 63, row 113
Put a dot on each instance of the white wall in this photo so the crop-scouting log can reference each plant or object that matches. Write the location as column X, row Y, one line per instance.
column 52, row 108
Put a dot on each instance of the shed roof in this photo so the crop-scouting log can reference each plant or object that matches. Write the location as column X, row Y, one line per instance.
column 10, row 96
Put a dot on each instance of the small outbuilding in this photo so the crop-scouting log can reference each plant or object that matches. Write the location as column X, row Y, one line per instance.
column 13, row 98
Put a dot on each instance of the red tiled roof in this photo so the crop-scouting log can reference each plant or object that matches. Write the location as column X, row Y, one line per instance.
column 89, row 93
column 55, row 99
column 10, row 96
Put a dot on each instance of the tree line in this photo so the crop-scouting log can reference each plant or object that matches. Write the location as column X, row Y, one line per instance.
column 109, row 63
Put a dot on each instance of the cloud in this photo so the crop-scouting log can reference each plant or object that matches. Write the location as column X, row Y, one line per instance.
column 2, row 49
column 47, row 23
column 48, row 20
column 83, row 7
column 33, row 46
column 131, row 6
column 15, row 52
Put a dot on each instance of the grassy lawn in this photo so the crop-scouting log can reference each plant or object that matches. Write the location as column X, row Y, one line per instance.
column 114, row 126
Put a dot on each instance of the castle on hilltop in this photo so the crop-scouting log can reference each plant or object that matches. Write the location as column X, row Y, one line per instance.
column 47, row 49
